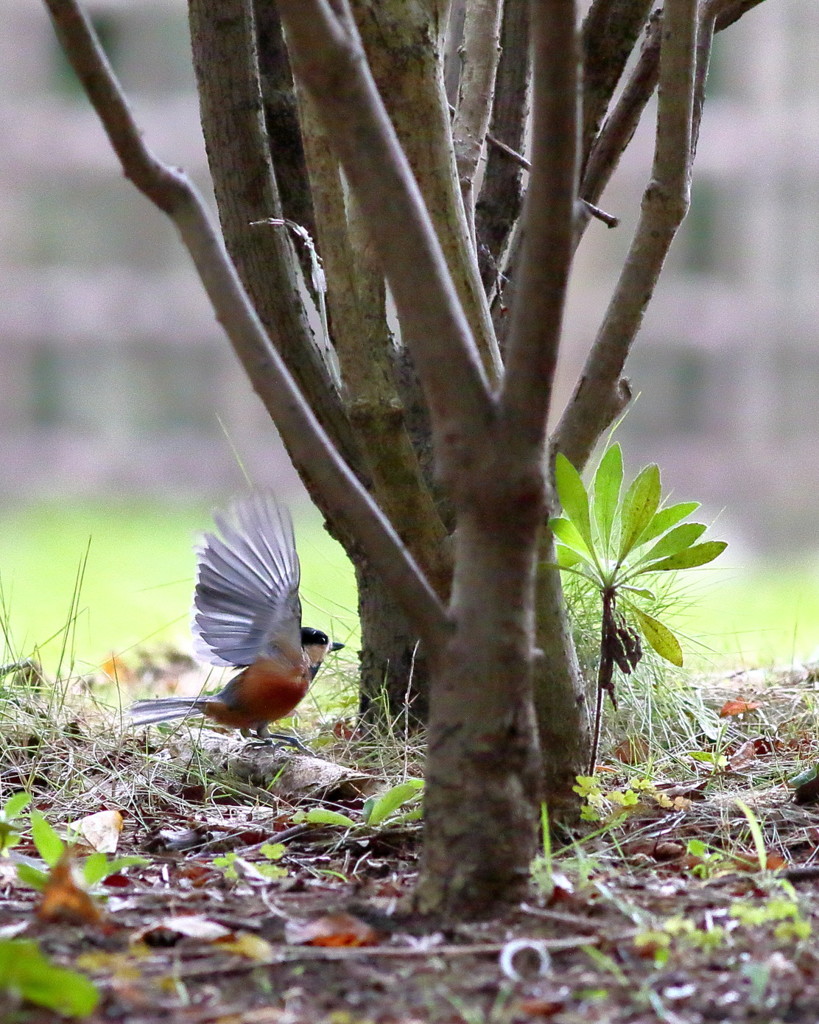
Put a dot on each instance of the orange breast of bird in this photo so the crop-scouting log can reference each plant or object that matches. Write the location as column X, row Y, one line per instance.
column 265, row 691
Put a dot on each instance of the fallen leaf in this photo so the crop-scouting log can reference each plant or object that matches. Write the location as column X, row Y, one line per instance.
column 188, row 926
column 63, row 897
column 737, row 707
column 330, row 930
column 632, row 750
column 100, row 831
column 248, row 945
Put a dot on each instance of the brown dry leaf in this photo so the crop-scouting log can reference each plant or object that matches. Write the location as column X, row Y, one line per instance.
column 330, row 930
column 541, row 1007
column 632, row 750
column 667, row 850
column 100, row 831
column 116, row 669
column 745, row 754
column 737, row 707
column 64, row 899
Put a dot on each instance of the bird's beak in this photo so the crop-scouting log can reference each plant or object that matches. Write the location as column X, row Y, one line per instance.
column 336, row 646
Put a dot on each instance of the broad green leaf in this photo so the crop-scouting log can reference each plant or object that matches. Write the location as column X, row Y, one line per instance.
column 97, row 866
column 25, row 973
column 48, row 843
column 639, row 506
column 700, row 554
column 660, row 637
column 324, row 816
column 32, row 876
column 676, row 540
column 15, row 804
column 607, row 482
column 665, row 518
column 573, row 497
column 566, row 557
column 390, row 801
column 566, row 532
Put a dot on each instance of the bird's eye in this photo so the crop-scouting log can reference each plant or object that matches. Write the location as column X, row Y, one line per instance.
column 310, row 636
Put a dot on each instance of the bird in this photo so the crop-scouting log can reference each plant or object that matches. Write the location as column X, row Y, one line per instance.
column 247, row 615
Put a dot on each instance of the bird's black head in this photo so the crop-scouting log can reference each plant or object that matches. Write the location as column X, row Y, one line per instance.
column 316, row 645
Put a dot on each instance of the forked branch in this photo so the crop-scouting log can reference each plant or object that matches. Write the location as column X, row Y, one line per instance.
column 328, row 58
column 176, row 196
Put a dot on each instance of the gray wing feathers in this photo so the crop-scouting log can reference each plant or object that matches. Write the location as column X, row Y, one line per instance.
column 246, row 598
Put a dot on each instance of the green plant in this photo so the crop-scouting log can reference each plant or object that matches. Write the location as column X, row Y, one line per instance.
column 273, row 852
column 376, row 810
column 26, row 974
column 611, row 542
column 93, row 869
column 9, row 831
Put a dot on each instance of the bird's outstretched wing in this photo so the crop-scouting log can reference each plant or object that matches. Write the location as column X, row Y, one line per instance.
column 246, row 601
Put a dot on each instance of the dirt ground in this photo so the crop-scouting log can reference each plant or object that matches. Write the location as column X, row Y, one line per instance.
column 657, row 912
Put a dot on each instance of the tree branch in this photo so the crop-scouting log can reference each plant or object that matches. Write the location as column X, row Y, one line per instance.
column 599, row 394
column 329, row 60
column 501, row 194
column 282, row 126
column 620, row 126
column 176, row 196
column 245, row 189
column 480, row 52
column 610, row 30
column 548, row 215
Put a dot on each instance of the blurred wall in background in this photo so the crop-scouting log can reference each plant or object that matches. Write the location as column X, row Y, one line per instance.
column 114, row 376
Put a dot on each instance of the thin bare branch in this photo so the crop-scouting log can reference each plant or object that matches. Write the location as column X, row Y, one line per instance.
column 610, row 30
column 479, row 55
column 548, row 213
column 404, row 50
column 329, row 59
column 624, row 118
column 600, row 394
column 245, row 189
column 176, row 196
column 282, row 125
column 501, row 195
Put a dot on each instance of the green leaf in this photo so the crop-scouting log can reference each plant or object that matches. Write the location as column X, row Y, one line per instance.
column 639, row 506
column 665, row 518
column 32, row 876
column 573, row 497
column 25, row 973
column 566, row 557
column 48, row 843
column 607, row 482
column 323, row 816
column 660, row 637
column 676, row 540
column 643, row 592
column 97, row 867
column 566, row 532
column 14, row 805
column 700, row 554
column 390, row 801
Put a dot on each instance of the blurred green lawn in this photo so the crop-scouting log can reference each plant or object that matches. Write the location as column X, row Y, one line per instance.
column 138, row 571
column 135, row 565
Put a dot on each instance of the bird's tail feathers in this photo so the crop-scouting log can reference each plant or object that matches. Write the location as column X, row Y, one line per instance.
column 164, row 709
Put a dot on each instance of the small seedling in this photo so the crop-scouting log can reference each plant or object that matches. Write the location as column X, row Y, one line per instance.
column 231, row 863
column 93, row 869
column 9, row 830
column 612, row 542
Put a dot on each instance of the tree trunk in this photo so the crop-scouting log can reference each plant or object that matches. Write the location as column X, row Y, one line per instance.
column 483, row 766
column 394, row 681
